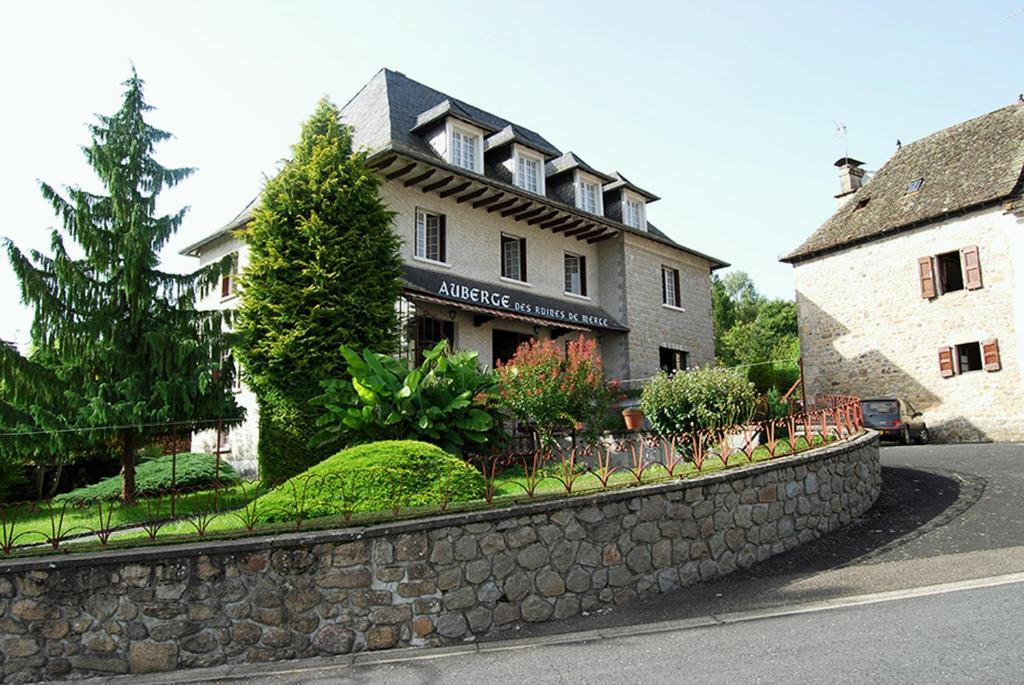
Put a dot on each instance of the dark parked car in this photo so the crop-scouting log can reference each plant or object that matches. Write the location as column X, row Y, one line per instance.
column 896, row 419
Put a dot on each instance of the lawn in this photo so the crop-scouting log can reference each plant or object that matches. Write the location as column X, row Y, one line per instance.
column 235, row 516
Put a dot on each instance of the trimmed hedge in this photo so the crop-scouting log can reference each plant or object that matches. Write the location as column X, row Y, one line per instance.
column 194, row 470
column 377, row 476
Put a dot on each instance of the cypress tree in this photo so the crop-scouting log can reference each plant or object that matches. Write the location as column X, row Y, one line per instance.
column 119, row 347
column 324, row 270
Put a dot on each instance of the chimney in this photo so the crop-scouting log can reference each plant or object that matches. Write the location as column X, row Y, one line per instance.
column 851, row 178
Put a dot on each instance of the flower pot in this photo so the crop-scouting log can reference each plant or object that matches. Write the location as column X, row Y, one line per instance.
column 634, row 418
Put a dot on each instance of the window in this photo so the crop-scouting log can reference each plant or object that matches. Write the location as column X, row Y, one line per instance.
column 464, row 149
column 951, row 278
column 513, row 258
column 431, row 236
column 588, row 196
column 971, row 356
column 575, row 274
column 504, row 344
column 229, row 281
column 968, row 357
column 861, row 204
column 527, row 174
column 633, row 212
column 915, row 185
column 670, row 287
column 672, row 360
column 429, row 332
column 949, row 272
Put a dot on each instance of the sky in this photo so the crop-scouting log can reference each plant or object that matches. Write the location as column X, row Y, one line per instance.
column 726, row 110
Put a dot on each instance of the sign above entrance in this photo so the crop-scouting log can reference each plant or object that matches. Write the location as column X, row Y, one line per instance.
column 457, row 290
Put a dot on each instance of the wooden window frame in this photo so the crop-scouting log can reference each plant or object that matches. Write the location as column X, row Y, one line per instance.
column 442, row 224
column 505, row 239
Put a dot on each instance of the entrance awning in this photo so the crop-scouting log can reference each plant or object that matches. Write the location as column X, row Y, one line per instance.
column 493, row 313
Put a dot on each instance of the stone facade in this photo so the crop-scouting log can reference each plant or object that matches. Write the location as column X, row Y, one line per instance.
column 866, row 331
column 428, row 582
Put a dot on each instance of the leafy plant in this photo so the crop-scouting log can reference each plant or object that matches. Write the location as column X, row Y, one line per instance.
column 374, row 477
column 443, row 401
column 557, row 392
column 192, row 471
column 703, row 399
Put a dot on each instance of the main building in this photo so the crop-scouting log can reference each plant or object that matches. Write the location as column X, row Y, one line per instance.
column 506, row 238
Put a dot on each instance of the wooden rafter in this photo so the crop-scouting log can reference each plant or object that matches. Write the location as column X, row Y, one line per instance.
column 401, row 172
column 590, row 234
column 528, row 214
column 457, row 189
column 384, row 163
column 603, row 236
column 543, row 218
column 559, row 229
column 422, row 177
column 502, row 205
column 580, row 229
column 471, row 196
column 438, row 184
column 564, row 219
column 488, row 200
column 516, row 210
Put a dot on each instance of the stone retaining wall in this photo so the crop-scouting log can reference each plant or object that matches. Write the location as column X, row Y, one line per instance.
column 425, row 582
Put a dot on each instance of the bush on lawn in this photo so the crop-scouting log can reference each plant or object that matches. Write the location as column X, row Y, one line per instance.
column 193, row 471
column 377, row 476
column 703, row 399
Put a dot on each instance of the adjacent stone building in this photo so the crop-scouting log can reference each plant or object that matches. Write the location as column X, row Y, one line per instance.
column 915, row 287
column 507, row 238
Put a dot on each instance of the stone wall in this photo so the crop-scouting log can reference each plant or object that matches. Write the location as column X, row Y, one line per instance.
column 425, row 582
column 866, row 331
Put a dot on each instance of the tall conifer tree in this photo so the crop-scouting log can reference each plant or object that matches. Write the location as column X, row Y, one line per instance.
column 324, row 270
column 117, row 339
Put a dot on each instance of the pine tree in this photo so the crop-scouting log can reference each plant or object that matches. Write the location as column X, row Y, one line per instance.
column 324, row 270
column 120, row 348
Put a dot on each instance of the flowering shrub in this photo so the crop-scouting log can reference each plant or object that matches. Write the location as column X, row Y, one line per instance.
column 555, row 391
column 703, row 399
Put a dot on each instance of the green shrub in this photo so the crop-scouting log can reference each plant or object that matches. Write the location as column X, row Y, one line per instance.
column 378, row 476
column 193, row 471
column 444, row 401
column 703, row 399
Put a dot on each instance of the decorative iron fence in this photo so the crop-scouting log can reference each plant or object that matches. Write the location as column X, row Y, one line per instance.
column 510, row 476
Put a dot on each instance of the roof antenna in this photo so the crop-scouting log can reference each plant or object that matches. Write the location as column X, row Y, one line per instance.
column 841, row 131
column 899, row 145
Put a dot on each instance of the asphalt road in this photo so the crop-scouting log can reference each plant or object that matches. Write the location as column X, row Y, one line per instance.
column 947, row 514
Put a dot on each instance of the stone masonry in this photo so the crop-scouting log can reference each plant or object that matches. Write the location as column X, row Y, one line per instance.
column 427, row 582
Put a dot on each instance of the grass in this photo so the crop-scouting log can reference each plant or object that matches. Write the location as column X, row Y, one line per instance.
column 238, row 516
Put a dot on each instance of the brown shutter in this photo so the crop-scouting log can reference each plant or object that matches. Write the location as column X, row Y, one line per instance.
column 442, row 238
column 926, row 272
column 501, row 256
column 990, row 355
column 583, row 275
column 972, row 267
column 679, row 294
column 946, row 362
column 522, row 259
column 664, row 293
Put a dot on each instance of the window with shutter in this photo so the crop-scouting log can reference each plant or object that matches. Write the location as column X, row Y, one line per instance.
column 926, row 272
column 946, row 368
column 972, row 267
column 990, row 355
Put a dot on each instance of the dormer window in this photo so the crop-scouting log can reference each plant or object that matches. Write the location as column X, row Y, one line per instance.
column 528, row 171
column 588, row 194
column 467, row 148
column 633, row 210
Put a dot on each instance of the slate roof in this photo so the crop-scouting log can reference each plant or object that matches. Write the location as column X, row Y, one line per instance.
column 515, row 134
column 620, row 181
column 963, row 167
column 570, row 160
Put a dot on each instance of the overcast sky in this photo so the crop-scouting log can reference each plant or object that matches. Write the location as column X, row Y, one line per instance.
column 726, row 110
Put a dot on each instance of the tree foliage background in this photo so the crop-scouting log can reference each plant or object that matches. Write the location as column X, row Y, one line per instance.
column 324, row 271
column 755, row 332
column 119, row 350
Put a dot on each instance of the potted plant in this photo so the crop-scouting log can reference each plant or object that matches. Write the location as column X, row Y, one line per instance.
column 633, row 417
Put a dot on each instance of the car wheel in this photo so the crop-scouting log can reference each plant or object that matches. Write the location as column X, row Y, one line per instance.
column 922, row 437
column 905, row 436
